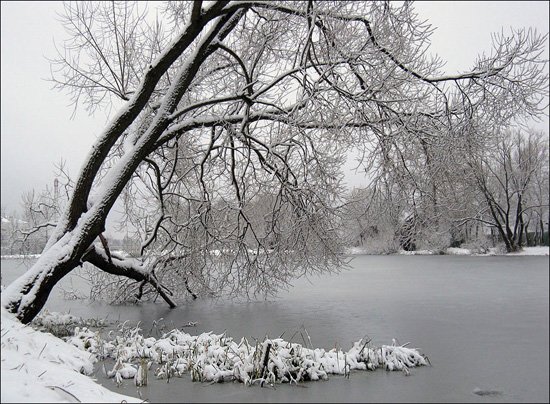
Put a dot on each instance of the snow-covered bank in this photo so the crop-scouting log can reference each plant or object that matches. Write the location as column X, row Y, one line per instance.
column 533, row 251
column 38, row 367
column 34, row 256
column 19, row 256
column 541, row 250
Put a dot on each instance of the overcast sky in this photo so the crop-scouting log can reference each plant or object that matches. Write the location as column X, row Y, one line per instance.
column 36, row 129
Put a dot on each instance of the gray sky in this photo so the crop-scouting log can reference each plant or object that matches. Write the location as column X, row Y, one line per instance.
column 36, row 129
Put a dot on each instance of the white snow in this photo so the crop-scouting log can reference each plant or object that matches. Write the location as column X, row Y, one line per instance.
column 5, row 220
column 38, row 367
column 458, row 251
column 541, row 250
column 19, row 256
column 417, row 252
column 357, row 250
column 210, row 357
column 533, row 251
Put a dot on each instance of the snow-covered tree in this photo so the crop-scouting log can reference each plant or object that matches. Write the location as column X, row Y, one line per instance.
column 41, row 211
column 234, row 118
column 508, row 173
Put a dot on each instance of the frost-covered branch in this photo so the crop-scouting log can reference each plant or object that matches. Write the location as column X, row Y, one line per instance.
column 128, row 268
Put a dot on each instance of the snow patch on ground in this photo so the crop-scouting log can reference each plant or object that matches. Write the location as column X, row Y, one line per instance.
column 541, row 250
column 19, row 256
column 458, row 251
column 357, row 250
column 417, row 252
column 533, row 251
column 38, row 367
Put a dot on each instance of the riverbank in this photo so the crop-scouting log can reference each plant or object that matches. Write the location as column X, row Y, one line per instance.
column 38, row 367
column 539, row 250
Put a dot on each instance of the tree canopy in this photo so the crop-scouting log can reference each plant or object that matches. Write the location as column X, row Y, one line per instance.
column 234, row 119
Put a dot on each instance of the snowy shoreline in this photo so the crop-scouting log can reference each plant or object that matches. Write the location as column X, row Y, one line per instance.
column 531, row 251
column 19, row 256
column 39, row 367
column 540, row 250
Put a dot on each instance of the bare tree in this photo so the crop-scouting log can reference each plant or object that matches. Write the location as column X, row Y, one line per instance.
column 11, row 225
column 41, row 211
column 231, row 133
column 539, row 196
column 420, row 156
column 504, row 173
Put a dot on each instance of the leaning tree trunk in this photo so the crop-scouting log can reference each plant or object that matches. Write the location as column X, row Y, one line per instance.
column 26, row 296
column 72, row 241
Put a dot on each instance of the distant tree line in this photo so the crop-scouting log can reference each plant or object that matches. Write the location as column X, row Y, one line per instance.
column 476, row 190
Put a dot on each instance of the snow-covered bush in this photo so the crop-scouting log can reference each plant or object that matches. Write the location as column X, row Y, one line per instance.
column 210, row 357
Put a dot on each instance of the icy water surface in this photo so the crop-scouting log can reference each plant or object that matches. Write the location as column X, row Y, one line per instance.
column 482, row 321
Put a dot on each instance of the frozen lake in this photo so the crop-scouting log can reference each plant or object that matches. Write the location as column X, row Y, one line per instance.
column 482, row 321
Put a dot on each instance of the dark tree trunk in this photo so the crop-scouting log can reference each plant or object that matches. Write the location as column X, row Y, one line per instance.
column 72, row 240
column 541, row 228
